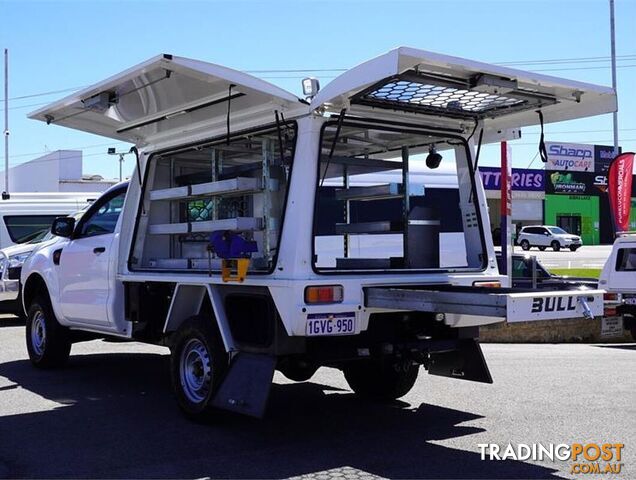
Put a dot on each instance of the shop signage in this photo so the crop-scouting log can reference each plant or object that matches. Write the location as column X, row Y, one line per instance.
column 573, row 157
column 603, row 156
column 523, row 179
column 570, row 183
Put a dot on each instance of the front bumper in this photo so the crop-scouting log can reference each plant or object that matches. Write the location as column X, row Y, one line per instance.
column 9, row 290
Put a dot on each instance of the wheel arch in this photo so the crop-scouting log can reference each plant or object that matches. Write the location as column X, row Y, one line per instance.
column 189, row 300
column 34, row 284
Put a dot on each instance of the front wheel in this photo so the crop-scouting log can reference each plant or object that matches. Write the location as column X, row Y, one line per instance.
column 542, row 249
column 556, row 246
column 574, row 248
column 525, row 245
column 48, row 342
column 381, row 380
column 198, row 363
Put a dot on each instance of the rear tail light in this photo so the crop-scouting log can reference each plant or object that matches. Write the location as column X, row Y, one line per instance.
column 324, row 294
column 487, row 284
column 609, row 312
column 610, row 296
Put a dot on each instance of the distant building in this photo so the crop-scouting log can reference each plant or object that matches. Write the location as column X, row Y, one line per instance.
column 59, row 171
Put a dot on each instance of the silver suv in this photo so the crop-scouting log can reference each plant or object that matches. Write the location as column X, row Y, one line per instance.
column 543, row 236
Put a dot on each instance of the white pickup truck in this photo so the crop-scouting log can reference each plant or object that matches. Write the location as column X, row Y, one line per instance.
column 618, row 279
column 245, row 242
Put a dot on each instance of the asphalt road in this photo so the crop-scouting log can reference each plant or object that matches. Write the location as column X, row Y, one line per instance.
column 110, row 414
column 585, row 257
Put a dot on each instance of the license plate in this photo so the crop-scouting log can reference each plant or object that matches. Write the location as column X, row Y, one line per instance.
column 630, row 300
column 320, row 324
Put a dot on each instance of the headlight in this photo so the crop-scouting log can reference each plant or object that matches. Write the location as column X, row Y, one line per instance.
column 18, row 260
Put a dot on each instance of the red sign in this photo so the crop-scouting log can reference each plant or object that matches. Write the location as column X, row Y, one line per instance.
column 620, row 189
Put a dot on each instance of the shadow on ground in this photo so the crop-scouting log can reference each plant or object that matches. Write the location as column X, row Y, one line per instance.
column 619, row 346
column 11, row 321
column 118, row 419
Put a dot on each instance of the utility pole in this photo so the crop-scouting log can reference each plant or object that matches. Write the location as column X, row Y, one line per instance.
column 112, row 151
column 613, row 46
column 6, row 121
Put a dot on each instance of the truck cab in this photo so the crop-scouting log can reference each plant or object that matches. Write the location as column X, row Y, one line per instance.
column 618, row 279
column 262, row 231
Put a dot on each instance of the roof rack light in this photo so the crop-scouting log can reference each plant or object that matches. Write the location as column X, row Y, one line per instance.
column 492, row 84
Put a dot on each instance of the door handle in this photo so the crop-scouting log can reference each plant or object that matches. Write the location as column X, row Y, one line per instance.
column 98, row 250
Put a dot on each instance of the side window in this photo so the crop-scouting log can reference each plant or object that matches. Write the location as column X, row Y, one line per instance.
column 104, row 219
column 626, row 260
column 543, row 231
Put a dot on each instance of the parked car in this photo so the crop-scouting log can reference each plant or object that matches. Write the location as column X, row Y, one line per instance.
column 543, row 236
column 25, row 216
column 522, row 276
column 11, row 260
column 618, row 279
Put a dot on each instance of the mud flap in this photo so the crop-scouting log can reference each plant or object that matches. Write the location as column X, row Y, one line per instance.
column 246, row 386
column 466, row 363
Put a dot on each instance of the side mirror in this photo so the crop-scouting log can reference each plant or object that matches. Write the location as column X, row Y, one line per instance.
column 63, row 226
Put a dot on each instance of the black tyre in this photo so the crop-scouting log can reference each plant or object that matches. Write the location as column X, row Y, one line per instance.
column 556, row 246
column 574, row 248
column 48, row 342
column 542, row 249
column 381, row 380
column 198, row 364
column 298, row 370
column 633, row 330
column 525, row 245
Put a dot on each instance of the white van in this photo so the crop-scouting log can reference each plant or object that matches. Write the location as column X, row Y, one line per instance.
column 23, row 216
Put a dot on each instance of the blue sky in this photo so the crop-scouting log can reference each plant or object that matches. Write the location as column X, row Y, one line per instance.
column 58, row 45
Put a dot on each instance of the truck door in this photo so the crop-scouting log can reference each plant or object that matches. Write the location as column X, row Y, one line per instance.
column 84, row 263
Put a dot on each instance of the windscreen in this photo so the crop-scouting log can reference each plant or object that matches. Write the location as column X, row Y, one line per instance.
column 392, row 198
column 24, row 228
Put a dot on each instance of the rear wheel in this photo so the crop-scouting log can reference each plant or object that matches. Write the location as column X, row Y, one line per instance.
column 556, row 246
column 198, row 363
column 48, row 342
column 542, row 249
column 380, row 379
column 525, row 245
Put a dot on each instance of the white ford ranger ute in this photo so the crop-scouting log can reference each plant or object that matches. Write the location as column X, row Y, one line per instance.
column 245, row 242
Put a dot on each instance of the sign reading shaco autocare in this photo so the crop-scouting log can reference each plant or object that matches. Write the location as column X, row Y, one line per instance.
column 573, row 157
column 523, row 179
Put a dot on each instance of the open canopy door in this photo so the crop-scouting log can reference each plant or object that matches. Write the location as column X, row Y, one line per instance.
column 454, row 92
column 167, row 95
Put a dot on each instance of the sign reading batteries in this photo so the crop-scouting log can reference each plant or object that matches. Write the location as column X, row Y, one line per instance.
column 571, row 157
column 523, row 179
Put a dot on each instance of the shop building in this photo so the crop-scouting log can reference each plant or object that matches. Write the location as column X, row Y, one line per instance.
column 570, row 193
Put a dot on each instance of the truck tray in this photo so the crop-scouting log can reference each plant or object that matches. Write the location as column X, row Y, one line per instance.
column 515, row 305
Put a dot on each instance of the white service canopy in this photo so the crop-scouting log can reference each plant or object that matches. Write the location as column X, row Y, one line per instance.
column 167, row 95
column 445, row 91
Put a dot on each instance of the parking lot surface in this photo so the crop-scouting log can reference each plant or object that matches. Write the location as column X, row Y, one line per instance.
column 110, row 414
column 591, row 256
